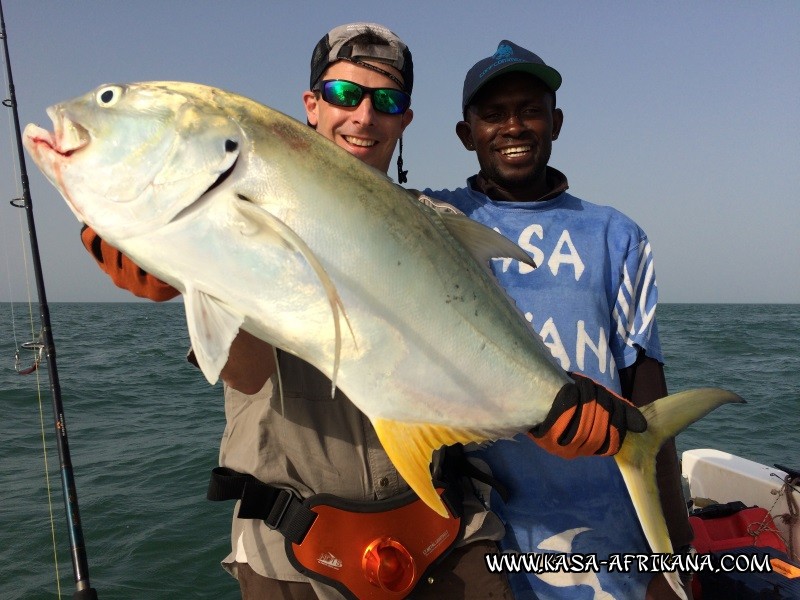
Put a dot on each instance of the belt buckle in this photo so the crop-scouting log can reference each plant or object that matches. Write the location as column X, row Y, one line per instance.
column 279, row 508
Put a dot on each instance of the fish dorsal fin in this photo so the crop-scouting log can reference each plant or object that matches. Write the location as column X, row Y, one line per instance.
column 410, row 447
column 482, row 242
column 212, row 327
column 255, row 214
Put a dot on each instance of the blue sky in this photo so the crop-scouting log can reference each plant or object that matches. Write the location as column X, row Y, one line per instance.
column 684, row 115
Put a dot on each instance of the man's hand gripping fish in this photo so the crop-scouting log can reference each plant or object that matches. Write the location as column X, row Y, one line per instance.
column 264, row 225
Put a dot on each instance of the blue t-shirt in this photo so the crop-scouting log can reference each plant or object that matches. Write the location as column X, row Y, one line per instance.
column 592, row 299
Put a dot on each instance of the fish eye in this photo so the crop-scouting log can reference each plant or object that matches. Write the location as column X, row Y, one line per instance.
column 109, row 95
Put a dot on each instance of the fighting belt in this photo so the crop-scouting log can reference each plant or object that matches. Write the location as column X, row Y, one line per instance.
column 366, row 549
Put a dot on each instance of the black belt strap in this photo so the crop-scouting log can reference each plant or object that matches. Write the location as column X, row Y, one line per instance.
column 279, row 508
column 282, row 510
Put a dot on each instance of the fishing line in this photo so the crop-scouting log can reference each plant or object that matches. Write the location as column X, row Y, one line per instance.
column 18, row 197
column 42, row 428
column 48, row 488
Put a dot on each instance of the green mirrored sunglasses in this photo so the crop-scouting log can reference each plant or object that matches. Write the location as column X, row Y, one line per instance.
column 341, row 92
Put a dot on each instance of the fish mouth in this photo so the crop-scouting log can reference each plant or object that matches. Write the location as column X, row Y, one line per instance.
column 67, row 138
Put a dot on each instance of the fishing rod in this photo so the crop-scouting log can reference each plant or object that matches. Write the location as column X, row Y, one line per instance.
column 80, row 566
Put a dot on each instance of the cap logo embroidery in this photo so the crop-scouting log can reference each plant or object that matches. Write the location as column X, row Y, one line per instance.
column 503, row 51
column 503, row 55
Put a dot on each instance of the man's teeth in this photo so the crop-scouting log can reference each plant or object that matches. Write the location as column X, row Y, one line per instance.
column 359, row 141
column 515, row 151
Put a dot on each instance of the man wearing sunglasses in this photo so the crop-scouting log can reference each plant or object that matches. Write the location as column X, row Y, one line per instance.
column 359, row 97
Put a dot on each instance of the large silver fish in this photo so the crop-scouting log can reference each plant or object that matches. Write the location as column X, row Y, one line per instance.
column 263, row 224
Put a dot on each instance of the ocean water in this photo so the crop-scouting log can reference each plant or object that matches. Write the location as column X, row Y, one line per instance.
column 144, row 429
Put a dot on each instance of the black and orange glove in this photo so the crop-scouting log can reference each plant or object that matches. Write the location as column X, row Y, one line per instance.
column 587, row 419
column 123, row 271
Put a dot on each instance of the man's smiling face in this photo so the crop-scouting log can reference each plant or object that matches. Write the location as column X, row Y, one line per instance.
column 511, row 124
column 365, row 133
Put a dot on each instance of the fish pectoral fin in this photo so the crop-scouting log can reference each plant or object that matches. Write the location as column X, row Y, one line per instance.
column 410, row 447
column 282, row 233
column 637, row 459
column 212, row 328
column 482, row 242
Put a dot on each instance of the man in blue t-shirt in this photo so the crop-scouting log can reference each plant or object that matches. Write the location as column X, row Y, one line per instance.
column 592, row 299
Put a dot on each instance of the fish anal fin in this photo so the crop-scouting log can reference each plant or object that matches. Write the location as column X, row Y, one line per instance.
column 410, row 447
column 212, row 327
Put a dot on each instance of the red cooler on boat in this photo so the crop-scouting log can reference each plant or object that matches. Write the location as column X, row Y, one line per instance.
column 725, row 526
column 733, row 529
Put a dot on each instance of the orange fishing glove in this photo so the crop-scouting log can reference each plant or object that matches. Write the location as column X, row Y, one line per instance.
column 587, row 419
column 123, row 271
